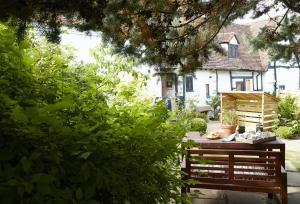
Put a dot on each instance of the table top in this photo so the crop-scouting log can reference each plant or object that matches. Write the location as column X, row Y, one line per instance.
column 219, row 143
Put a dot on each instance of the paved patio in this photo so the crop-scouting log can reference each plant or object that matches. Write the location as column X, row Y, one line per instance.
column 236, row 197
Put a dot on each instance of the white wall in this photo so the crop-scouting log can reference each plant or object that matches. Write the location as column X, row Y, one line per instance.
column 285, row 76
column 153, row 86
column 224, row 81
column 288, row 77
column 202, row 77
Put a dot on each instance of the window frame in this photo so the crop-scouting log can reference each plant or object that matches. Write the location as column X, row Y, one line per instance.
column 233, row 51
column 207, row 94
column 242, row 85
column 189, row 84
column 281, row 87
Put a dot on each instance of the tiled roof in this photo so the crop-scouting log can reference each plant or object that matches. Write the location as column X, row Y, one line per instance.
column 246, row 60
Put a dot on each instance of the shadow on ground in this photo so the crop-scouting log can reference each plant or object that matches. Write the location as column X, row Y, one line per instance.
column 237, row 197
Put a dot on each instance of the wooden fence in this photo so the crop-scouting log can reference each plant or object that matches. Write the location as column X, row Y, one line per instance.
column 253, row 108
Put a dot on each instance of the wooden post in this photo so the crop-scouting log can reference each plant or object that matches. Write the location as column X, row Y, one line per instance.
column 221, row 108
column 231, row 166
column 188, row 167
column 263, row 110
column 283, row 194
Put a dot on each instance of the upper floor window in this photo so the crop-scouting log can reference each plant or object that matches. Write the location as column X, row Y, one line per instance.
column 232, row 51
column 189, row 84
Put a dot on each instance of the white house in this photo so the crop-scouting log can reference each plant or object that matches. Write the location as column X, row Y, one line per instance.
column 241, row 69
column 280, row 75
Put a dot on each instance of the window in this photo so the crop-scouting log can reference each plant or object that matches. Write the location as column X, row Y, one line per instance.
column 207, row 90
column 169, row 84
column 232, row 51
column 281, row 87
column 239, row 86
column 189, row 84
column 248, row 84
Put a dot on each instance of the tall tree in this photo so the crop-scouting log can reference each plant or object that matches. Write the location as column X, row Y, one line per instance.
column 166, row 33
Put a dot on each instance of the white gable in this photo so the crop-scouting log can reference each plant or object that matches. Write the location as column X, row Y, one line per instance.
column 233, row 41
column 224, row 46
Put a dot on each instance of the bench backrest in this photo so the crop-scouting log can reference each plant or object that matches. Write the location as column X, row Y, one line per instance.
column 241, row 167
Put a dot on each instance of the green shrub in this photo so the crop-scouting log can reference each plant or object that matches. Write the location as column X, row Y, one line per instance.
column 297, row 114
column 71, row 135
column 295, row 124
column 287, row 109
column 230, row 118
column 198, row 124
column 197, row 114
column 193, row 112
column 285, row 132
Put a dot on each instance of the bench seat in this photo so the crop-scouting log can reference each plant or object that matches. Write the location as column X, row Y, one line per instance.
column 240, row 170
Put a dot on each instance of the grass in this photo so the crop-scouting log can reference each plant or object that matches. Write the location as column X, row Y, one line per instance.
column 294, row 158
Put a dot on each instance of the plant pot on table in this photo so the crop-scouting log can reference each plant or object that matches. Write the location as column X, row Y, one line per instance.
column 228, row 129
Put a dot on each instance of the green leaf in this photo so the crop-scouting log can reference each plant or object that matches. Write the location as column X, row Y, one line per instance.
column 85, row 155
column 66, row 102
column 43, row 188
column 91, row 202
column 192, row 182
column 18, row 115
column 78, row 194
column 28, row 187
column 42, row 178
column 26, row 164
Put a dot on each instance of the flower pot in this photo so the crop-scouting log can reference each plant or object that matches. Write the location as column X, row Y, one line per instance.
column 228, row 129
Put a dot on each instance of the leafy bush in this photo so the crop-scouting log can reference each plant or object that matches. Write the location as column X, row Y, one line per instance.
column 197, row 114
column 192, row 111
column 230, row 118
column 287, row 125
column 287, row 109
column 285, row 132
column 72, row 135
column 198, row 124
column 295, row 125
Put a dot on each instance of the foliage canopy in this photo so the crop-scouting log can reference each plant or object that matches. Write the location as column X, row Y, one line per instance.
column 164, row 33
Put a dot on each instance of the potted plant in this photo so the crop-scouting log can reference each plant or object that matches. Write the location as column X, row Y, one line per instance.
column 229, row 122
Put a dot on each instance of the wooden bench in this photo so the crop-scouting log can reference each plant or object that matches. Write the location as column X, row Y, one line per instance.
column 239, row 170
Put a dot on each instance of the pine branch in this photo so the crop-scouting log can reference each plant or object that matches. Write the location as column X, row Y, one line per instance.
column 187, row 22
column 220, row 27
column 292, row 5
column 281, row 20
column 187, row 33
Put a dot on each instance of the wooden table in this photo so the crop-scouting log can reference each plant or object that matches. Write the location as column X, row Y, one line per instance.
column 204, row 143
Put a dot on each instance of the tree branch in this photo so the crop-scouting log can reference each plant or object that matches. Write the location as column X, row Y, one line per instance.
column 292, row 5
column 186, row 34
column 187, row 22
column 281, row 20
column 220, row 27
